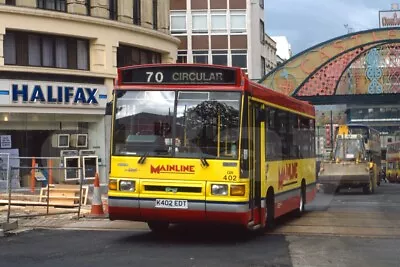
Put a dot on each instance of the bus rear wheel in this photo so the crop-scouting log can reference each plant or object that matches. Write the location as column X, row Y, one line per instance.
column 300, row 210
column 158, row 226
column 270, row 211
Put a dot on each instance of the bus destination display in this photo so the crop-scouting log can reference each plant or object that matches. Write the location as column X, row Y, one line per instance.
column 178, row 75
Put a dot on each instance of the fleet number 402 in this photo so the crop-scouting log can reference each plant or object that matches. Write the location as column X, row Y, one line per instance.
column 230, row 177
column 157, row 77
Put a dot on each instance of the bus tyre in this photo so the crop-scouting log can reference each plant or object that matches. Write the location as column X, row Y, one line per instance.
column 302, row 203
column 270, row 212
column 158, row 227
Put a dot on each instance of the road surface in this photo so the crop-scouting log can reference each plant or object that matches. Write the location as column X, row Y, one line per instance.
column 346, row 229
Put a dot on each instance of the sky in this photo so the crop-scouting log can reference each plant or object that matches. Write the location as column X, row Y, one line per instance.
column 309, row 22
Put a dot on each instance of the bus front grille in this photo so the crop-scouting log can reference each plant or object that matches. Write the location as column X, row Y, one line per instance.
column 175, row 189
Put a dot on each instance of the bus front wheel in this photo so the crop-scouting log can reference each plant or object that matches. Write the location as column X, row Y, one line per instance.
column 158, row 226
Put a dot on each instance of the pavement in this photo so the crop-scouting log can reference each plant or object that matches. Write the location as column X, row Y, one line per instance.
column 344, row 229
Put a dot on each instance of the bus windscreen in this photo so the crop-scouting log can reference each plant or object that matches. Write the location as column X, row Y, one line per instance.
column 184, row 124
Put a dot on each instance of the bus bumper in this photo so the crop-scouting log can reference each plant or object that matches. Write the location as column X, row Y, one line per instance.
column 198, row 211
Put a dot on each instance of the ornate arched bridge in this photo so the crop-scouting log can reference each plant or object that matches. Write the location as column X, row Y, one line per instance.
column 353, row 78
column 361, row 67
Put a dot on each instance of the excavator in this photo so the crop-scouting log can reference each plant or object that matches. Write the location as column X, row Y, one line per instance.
column 350, row 165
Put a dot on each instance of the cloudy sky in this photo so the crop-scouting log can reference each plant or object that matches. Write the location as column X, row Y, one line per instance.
column 309, row 22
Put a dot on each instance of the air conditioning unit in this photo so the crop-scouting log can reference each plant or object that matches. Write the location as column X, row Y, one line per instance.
column 60, row 140
column 79, row 140
column 68, row 153
column 71, row 171
column 90, row 167
column 87, row 152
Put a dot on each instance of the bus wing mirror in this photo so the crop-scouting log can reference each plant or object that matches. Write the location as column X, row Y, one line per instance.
column 109, row 107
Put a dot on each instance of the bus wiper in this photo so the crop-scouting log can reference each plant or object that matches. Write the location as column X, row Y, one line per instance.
column 204, row 161
column 143, row 158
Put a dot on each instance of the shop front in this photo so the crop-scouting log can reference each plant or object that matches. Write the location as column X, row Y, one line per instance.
column 56, row 123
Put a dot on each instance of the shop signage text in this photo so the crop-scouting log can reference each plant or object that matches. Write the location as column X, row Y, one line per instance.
column 54, row 94
column 389, row 19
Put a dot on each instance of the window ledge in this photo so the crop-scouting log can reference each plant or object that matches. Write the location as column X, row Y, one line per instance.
column 45, row 70
column 27, row 11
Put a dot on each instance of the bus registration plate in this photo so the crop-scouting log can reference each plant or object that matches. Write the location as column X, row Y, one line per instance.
column 171, row 203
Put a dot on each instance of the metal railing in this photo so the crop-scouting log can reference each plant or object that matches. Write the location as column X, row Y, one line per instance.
column 7, row 171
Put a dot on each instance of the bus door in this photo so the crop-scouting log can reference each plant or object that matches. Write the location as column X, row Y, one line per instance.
column 256, row 147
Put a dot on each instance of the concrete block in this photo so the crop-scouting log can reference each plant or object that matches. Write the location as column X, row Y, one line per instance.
column 5, row 227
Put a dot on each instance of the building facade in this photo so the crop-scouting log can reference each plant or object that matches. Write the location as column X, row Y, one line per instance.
column 223, row 32
column 58, row 61
column 271, row 58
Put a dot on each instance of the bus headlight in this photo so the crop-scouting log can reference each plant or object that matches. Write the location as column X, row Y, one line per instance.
column 219, row 189
column 125, row 185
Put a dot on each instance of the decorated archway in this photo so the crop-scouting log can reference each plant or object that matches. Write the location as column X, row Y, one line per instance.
column 352, row 78
column 360, row 63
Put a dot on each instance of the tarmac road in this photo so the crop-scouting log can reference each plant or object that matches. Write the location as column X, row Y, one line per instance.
column 346, row 229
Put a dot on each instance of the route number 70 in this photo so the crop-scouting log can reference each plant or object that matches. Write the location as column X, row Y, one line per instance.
column 158, row 77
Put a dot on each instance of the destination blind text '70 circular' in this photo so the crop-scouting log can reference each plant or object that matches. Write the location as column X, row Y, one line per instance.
column 178, row 75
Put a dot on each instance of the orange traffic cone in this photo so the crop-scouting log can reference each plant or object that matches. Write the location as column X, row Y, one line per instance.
column 97, row 204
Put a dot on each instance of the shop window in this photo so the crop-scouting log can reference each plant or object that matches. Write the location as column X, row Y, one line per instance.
column 10, row 56
column 220, row 57
column 39, row 50
column 238, row 21
column 34, row 50
column 47, row 52
column 200, row 56
column 178, row 22
column 182, row 56
column 58, row 5
column 262, row 66
column 83, row 55
column 128, row 55
column 62, row 54
column 239, row 58
column 136, row 12
column 262, row 32
column 88, row 7
column 155, row 14
column 199, row 21
column 113, row 8
column 218, row 22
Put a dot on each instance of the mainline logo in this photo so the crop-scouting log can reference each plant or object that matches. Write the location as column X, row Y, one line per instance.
column 172, row 169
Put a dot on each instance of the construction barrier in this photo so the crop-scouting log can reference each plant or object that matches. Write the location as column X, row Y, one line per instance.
column 38, row 188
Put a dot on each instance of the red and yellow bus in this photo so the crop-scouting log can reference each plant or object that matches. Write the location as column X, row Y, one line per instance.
column 393, row 162
column 203, row 143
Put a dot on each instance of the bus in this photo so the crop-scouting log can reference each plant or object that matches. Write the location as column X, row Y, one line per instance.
column 393, row 162
column 203, row 143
